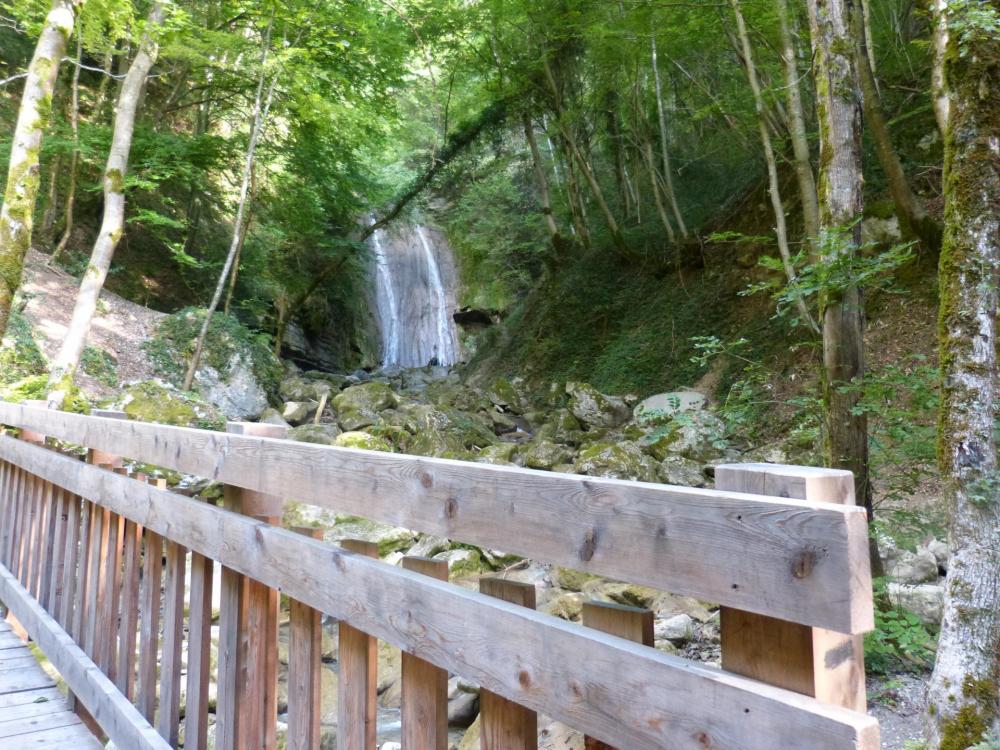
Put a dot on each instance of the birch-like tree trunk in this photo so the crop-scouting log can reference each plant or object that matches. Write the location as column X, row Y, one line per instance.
column 668, row 178
column 21, row 192
column 261, row 108
column 51, row 202
column 939, row 86
column 541, row 180
column 773, row 188
column 64, row 366
column 964, row 693
column 838, row 105
column 913, row 219
column 74, row 159
column 797, row 126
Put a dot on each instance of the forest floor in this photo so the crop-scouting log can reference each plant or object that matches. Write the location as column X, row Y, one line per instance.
column 119, row 328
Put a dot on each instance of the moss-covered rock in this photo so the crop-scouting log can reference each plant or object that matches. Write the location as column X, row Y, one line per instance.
column 572, row 580
column 622, row 460
column 543, row 454
column 156, row 401
column 359, row 406
column 36, row 388
column 562, row 427
column 304, row 389
column 321, row 434
column 595, row 409
column 20, row 356
column 499, row 453
column 358, row 439
column 509, row 395
column 682, row 471
column 698, row 435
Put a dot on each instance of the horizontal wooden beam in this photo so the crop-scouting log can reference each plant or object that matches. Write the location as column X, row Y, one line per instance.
column 800, row 561
column 621, row 692
column 119, row 719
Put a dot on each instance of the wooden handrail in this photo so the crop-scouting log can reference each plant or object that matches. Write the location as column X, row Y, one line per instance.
column 536, row 660
column 800, row 561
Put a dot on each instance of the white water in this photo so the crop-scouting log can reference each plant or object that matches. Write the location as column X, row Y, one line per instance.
column 445, row 346
column 414, row 276
column 385, row 297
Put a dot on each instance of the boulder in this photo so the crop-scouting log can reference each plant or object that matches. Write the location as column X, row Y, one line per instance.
column 622, row 460
column 562, row 427
column 298, row 412
column 925, row 600
column 304, row 389
column 681, row 471
column 678, row 629
column 594, row 409
column 499, row 453
column 914, row 567
column 507, row 394
column 462, row 562
column 541, row 454
column 698, row 435
column 321, row 434
column 157, row 401
column 567, row 606
column 359, row 406
column 941, row 552
column 363, row 440
column 664, row 406
column 271, row 415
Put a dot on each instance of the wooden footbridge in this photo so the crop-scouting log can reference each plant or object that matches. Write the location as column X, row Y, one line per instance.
column 111, row 577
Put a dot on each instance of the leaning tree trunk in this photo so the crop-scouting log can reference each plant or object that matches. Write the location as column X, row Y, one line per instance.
column 797, row 127
column 913, row 219
column 773, row 188
column 964, row 698
column 540, row 179
column 939, row 86
column 261, row 107
column 21, row 193
column 664, row 149
column 68, row 359
column 838, row 105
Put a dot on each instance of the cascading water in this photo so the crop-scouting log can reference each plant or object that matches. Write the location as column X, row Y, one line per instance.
column 385, row 297
column 414, row 296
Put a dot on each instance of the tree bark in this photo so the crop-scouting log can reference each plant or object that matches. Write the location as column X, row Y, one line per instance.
column 664, row 148
column 64, row 366
column 540, row 179
column 773, row 189
column 964, row 697
column 838, row 107
column 262, row 106
column 21, row 192
column 913, row 219
column 51, row 203
column 74, row 159
column 797, row 127
column 939, row 86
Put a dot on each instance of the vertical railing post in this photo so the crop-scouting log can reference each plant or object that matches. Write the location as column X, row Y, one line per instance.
column 505, row 725
column 246, row 716
column 357, row 656
column 425, row 686
column 305, row 653
column 826, row 665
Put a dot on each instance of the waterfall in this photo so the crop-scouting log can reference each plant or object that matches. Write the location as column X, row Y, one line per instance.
column 414, row 297
column 445, row 346
column 385, row 298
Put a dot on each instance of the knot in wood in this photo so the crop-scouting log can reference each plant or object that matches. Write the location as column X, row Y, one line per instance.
column 803, row 563
column 589, row 545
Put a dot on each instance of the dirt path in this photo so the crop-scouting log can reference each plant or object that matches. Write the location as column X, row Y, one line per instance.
column 119, row 327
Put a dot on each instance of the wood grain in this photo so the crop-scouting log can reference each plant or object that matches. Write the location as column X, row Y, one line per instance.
column 424, row 708
column 731, row 548
column 149, row 625
column 199, row 654
column 305, row 654
column 504, row 725
column 530, row 658
column 173, row 642
column 813, row 661
column 358, row 657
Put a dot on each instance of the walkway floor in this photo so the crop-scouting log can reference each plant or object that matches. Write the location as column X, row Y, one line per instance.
column 33, row 713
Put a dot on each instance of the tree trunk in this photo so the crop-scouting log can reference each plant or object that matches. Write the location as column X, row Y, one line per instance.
column 913, row 219
column 657, row 198
column 540, row 179
column 838, row 107
column 21, row 192
column 773, row 189
column 963, row 697
column 939, row 86
column 664, row 148
column 74, row 159
column 262, row 105
column 797, row 127
column 615, row 138
column 64, row 366
column 51, row 203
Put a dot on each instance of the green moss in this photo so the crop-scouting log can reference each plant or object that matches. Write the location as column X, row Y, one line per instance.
column 36, row 388
column 100, row 365
column 151, row 401
column 973, row 721
column 20, row 356
column 115, row 181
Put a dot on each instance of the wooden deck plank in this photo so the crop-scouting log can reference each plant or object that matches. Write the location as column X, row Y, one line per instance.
column 33, row 712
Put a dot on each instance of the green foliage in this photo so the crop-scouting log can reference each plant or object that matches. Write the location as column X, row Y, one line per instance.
column 173, row 344
column 100, row 365
column 900, row 641
column 20, row 356
column 36, row 388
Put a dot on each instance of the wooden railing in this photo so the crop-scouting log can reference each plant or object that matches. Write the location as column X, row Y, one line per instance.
column 95, row 561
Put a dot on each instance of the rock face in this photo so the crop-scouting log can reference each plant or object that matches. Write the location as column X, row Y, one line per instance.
column 913, row 568
column 238, row 395
column 664, row 406
column 925, row 600
column 156, row 401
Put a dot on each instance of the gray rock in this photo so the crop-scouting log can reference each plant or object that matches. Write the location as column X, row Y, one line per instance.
column 270, row 415
column 304, row 389
column 925, row 600
column 239, row 396
column 298, row 412
column 595, row 409
column 359, row 406
column 622, row 460
column 679, row 629
column 322, row 434
column 910, row 567
column 663, row 406
column 697, row 435
column 545, row 455
column 681, row 471
column 941, row 552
